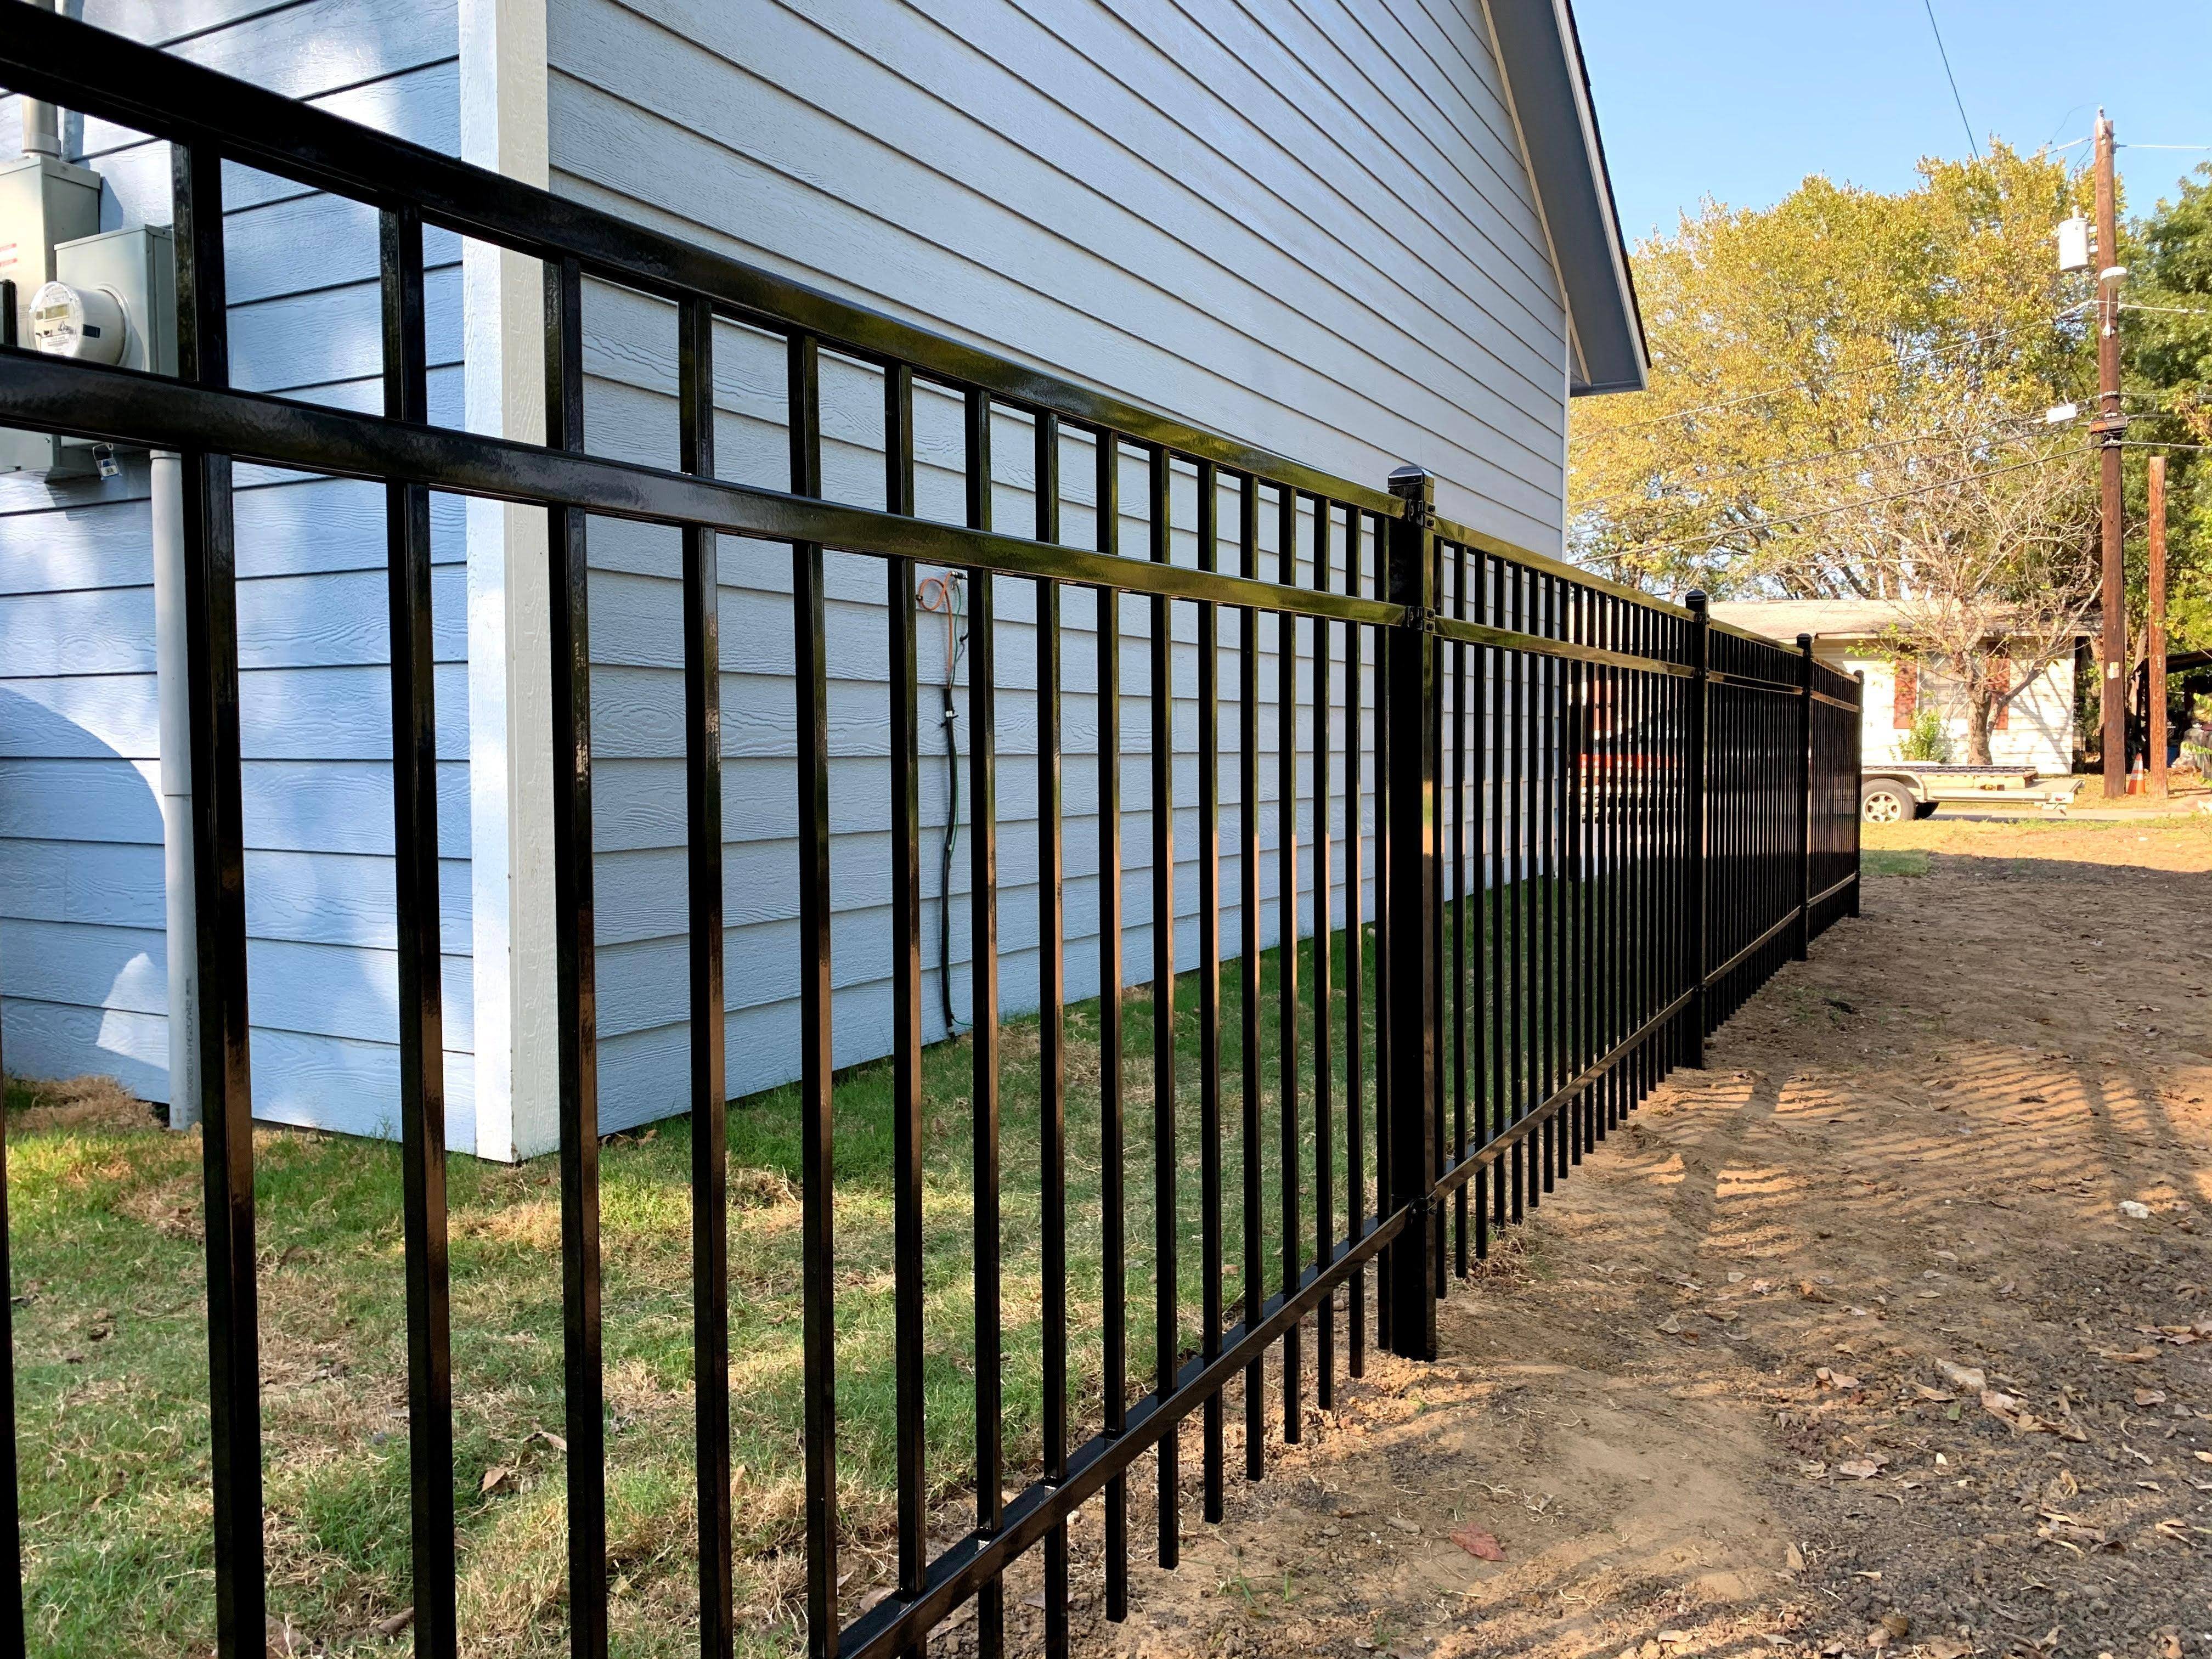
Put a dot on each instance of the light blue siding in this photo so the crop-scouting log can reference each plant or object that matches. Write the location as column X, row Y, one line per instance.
column 83, row 949
column 1309, row 226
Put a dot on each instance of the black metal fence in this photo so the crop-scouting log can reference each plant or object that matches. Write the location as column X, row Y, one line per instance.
column 1599, row 821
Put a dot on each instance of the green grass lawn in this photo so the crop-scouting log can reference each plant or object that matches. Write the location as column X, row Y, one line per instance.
column 112, row 1366
column 112, row 1359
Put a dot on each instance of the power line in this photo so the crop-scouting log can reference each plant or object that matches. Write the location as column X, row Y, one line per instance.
column 2170, row 311
column 1943, row 53
column 1871, row 501
column 1844, row 373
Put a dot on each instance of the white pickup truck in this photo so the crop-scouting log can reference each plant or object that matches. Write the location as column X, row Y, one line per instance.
column 1895, row 791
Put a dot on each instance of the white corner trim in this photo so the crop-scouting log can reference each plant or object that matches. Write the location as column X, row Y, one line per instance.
column 503, row 127
column 1535, row 194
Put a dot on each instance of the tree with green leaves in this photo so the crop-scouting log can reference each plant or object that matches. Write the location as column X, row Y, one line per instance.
column 2165, row 343
column 1848, row 400
column 1843, row 345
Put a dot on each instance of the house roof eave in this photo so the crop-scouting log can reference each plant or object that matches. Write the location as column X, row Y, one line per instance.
column 1541, row 57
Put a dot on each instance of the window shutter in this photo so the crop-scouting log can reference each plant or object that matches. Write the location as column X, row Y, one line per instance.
column 1907, row 693
column 2000, row 682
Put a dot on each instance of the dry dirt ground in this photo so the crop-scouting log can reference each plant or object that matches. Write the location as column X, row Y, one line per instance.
column 1717, row 1399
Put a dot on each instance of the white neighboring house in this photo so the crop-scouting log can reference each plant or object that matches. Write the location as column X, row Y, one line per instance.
column 1358, row 232
column 2036, row 727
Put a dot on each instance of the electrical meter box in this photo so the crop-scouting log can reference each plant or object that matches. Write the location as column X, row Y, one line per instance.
column 43, row 203
column 136, row 269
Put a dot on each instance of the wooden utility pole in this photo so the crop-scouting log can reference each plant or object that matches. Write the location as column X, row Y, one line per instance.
column 2155, row 691
column 2106, row 429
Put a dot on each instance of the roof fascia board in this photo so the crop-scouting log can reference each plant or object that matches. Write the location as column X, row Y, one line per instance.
column 1548, row 88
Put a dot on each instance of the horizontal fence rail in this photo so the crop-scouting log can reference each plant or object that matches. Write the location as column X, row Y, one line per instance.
column 1555, row 831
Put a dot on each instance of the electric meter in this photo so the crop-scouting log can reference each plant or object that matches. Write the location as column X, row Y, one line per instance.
column 87, row 323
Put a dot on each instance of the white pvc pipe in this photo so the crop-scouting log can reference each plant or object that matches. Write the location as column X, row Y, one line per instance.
column 169, row 662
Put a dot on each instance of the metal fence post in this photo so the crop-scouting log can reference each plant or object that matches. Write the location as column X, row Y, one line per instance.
column 1804, row 939
column 1411, row 1010
column 1693, row 837
column 1858, row 760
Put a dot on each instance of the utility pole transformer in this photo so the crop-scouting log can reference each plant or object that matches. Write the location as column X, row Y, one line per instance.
column 2107, row 430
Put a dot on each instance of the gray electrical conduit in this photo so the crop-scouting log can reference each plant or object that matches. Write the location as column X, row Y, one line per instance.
column 42, row 128
column 182, row 916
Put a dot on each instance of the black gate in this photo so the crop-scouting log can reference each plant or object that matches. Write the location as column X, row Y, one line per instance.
column 1599, row 820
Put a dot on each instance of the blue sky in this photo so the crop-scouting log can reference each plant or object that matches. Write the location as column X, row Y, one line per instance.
column 1740, row 99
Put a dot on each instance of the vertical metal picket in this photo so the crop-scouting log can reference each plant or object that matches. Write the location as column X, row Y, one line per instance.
column 416, row 910
column 1286, row 941
column 1803, row 941
column 1694, row 833
column 1248, row 801
column 710, row 1176
column 1166, row 1313
column 983, row 1020
column 1355, row 964
column 909, row 1334
column 1209, row 985
column 1324, row 950
column 11, row 1523
column 1852, row 771
column 810, row 674
column 1114, row 1338
column 575, row 991
column 219, row 878
column 1052, row 1059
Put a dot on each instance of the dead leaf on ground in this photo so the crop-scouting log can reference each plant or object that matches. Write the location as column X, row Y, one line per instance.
column 1479, row 1544
column 2150, row 1396
column 1862, row 1468
column 494, row 1477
